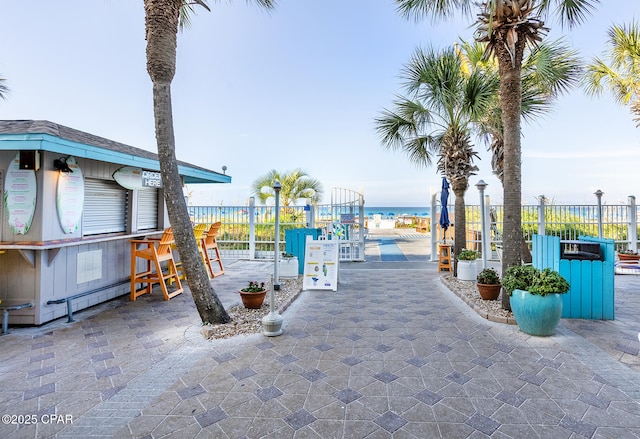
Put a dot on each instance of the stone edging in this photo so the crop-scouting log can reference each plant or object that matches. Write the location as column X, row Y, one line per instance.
column 480, row 311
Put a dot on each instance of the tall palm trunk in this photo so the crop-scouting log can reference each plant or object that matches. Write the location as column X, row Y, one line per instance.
column 161, row 20
column 510, row 65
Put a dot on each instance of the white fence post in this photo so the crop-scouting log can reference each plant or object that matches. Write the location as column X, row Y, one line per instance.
column 541, row 215
column 434, row 230
column 633, row 224
column 481, row 185
column 486, row 231
column 252, row 228
column 361, row 236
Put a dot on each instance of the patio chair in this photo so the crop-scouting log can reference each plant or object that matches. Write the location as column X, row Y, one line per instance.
column 209, row 244
column 154, row 251
column 199, row 231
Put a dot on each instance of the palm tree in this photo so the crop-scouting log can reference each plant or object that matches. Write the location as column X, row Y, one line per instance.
column 296, row 185
column 162, row 21
column 507, row 26
column 437, row 118
column 4, row 90
column 548, row 70
column 622, row 75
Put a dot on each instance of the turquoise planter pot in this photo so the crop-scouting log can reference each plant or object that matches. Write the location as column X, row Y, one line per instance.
column 535, row 314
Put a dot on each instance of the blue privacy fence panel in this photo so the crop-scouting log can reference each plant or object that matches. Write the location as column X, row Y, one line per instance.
column 546, row 252
column 592, row 282
column 295, row 240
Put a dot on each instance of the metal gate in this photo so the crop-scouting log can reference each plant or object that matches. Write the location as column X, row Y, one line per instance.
column 343, row 220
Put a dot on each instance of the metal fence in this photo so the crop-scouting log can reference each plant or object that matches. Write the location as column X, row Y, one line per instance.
column 616, row 222
column 248, row 232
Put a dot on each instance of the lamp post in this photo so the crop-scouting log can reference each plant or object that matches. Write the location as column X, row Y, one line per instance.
column 481, row 185
column 272, row 322
column 276, row 253
column 599, row 195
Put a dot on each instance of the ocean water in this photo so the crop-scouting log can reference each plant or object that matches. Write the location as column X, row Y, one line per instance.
column 392, row 212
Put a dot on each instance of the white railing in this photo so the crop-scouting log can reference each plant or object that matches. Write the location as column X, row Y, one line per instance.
column 248, row 232
column 617, row 222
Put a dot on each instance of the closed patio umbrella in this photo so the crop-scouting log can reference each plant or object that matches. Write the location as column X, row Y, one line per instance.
column 444, row 213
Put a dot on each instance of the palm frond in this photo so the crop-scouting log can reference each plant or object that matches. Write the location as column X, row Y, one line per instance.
column 4, row 90
column 569, row 12
column 622, row 74
column 553, row 67
column 188, row 9
column 434, row 9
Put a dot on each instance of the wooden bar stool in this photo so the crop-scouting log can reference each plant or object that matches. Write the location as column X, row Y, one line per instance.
column 199, row 231
column 154, row 251
column 209, row 243
column 444, row 258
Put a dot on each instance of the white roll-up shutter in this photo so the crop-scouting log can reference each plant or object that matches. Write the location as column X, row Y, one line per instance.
column 105, row 207
column 147, row 209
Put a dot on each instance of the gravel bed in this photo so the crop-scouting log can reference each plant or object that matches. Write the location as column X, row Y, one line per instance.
column 468, row 292
column 249, row 321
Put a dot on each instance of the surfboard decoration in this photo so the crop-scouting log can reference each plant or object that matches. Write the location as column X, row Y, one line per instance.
column 70, row 197
column 20, row 195
column 135, row 178
column 128, row 177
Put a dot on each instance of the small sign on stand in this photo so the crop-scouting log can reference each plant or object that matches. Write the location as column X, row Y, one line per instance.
column 320, row 265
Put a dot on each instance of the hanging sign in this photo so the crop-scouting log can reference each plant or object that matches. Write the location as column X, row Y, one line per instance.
column 70, row 197
column 347, row 218
column 20, row 193
column 136, row 178
column 320, row 265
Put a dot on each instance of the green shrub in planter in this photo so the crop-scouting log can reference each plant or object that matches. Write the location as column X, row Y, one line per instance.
column 548, row 281
column 518, row 277
column 488, row 276
column 529, row 278
column 535, row 298
column 468, row 255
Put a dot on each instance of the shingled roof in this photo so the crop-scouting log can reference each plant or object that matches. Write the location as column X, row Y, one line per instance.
column 192, row 173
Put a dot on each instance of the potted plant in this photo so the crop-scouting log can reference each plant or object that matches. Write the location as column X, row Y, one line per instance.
column 288, row 266
column 253, row 295
column 535, row 298
column 467, row 265
column 489, row 285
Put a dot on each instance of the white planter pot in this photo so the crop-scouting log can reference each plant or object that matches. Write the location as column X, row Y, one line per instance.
column 467, row 270
column 288, row 267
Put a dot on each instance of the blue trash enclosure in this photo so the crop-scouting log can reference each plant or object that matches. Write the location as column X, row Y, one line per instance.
column 295, row 243
column 592, row 281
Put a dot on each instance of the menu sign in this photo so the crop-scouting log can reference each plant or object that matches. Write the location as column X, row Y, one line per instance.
column 320, row 265
column 70, row 197
column 20, row 193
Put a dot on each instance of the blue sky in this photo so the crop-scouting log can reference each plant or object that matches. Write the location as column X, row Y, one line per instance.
column 297, row 87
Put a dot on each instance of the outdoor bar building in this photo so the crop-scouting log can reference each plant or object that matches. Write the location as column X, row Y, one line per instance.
column 71, row 203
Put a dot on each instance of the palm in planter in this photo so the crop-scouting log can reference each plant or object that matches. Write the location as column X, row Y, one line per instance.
column 535, row 298
column 489, row 285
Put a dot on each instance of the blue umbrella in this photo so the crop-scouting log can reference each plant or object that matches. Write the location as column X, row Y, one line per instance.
column 444, row 213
